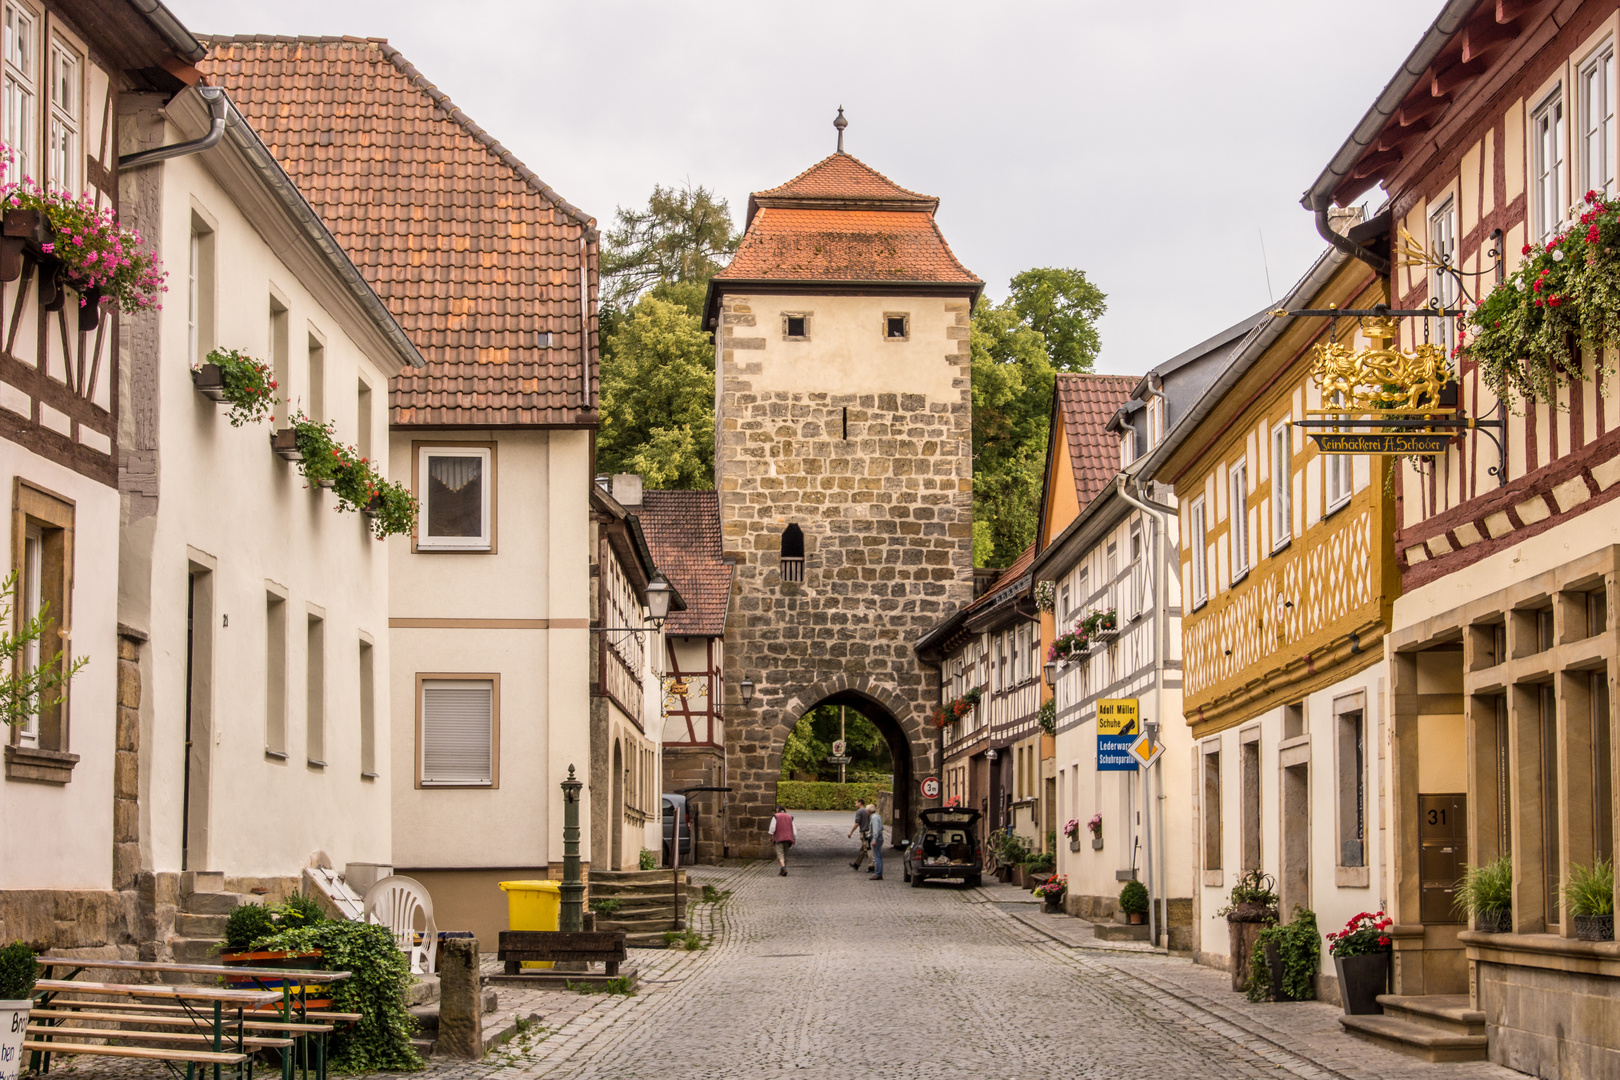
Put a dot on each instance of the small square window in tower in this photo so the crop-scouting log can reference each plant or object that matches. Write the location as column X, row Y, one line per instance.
column 795, row 327
column 896, row 327
column 792, row 554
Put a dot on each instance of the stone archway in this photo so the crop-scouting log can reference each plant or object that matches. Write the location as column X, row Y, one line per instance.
column 913, row 746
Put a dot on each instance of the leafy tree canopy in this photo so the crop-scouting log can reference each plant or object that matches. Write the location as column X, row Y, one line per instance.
column 804, row 755
column 658, row 398
column 1063, row 307
column 683, row 235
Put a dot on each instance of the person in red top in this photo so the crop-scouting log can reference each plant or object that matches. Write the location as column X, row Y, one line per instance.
column 781, row 833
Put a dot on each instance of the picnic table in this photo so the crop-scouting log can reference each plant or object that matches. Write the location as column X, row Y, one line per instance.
column 307, row 1030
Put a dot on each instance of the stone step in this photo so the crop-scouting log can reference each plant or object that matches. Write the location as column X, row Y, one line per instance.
column 636, row 907
column 213, row 903
column 1415, row 1039
column 635, row 877
column 1449, row 1013
column 424, row 990
column 427, row 1016
column 627, row 890
column 1105, row 931
column 201, row 881
column 190, row 950
column 646, row 940
column 634, row 926
column 422, row 1046
column 200, row 926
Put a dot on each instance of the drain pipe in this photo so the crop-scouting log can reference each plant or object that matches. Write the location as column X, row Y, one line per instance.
column 1324, row 228
column 1159, row 515
column 215, row 97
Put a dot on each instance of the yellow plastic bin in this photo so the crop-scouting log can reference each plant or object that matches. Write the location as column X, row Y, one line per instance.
column 532, row 905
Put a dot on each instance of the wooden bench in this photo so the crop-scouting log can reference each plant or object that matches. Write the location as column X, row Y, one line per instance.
column 321, row 1020
column 39, row 1031
column 606, row 946
column 184, row 1057
column 118, row 1016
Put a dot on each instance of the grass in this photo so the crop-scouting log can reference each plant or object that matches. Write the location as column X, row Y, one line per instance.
column 690, row 940
column 711, row 895
column 1487, row 888
column 619, row 987
column 608, row 905
column 1591, row 889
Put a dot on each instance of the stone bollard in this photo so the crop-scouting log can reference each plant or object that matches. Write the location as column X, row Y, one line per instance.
column 461, row 1014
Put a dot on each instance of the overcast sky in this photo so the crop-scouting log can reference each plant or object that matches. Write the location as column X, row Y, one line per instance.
column 1151, row 145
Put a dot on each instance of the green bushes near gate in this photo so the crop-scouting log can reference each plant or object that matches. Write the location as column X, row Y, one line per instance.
column 823, row 795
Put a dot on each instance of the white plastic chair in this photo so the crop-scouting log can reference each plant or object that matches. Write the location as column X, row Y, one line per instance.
column 404, row 906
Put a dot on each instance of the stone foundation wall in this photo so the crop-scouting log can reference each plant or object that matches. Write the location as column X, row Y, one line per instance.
column 700, row 766
column 881, row 486
column 1106, row 908
column 1562, row 1025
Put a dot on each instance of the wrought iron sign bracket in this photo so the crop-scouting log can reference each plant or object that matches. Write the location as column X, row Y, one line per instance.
column 1377, row 311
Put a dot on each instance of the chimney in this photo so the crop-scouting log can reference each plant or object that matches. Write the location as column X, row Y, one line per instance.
column 627, row 489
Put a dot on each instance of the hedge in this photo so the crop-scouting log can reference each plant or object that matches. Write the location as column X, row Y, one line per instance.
column 825, row 795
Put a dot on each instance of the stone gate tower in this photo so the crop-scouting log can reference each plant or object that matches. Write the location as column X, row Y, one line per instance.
column 843, row 463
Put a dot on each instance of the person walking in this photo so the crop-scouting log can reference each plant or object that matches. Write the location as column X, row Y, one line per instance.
column 863, row 822
column 781, row 833
column 875, row 827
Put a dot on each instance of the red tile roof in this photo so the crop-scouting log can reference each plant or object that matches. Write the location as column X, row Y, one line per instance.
column 841, row 220
column 683, row 533
column 1085, row 404
column 1018, row 568
column 473, row 254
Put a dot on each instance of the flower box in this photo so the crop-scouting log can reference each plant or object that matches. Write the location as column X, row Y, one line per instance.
column 89, row 310
column 1594, row 927
column 1074, row 843
column 22, row 230
column 374, row 507
column 1361, row 979
column 285, row 444
column 316, row 996
column 1495, row 922
column 209, row 381
column 1101, row 639
column 1096, row 843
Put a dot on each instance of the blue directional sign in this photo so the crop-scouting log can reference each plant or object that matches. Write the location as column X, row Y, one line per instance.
column 1114, row 753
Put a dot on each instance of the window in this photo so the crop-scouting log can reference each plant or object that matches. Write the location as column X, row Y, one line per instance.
column 317, row 379
column 1238, row 531
column 368, row 712
column 1282, row 490
column 20, row 47
column 792, row 554
column 896, row 326
column 457, row 721
column 1551, row 859
column 1212, row 811
column 1250, row 768
column 795, row 326
column 1336, row 478
column 1001, row 661
column 1352, row 762
column 1064, row 606
column 200, row 291
column 275, row 675
column 1602, row 768
column 65, row 144
column 1547, row 165
column 1127, row 446
column 1596, row 87
column 1155, row 421
column 1443, row 284
column 278, row 352
column 362, row 399
column 315, row 691
column 455, row 485
column 42, row 558
column 1197, row 539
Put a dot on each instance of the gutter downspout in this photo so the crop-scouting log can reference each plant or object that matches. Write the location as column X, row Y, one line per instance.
column 1320, row 204
column 1160, row 515
column 215, row 98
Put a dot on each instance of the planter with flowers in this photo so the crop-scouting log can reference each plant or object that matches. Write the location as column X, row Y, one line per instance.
column 389, row 507
column 1101, row 627
column 1045, row 595
column 17, row 972
column 1072, row 831
column 1361, row 956
column 1095, row 825
column 1069, row 647
column 1046, row 716
column 1051, row 892
column 89, row 253
column 246, row 384
column 950, row 714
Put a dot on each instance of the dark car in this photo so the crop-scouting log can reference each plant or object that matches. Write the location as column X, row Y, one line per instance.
column 681, row 815
column 946, row 845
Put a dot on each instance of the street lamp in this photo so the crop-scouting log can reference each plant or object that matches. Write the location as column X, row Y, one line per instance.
column 747, row 688
column 1051, row 669
column 659, row 594
column 990, row 754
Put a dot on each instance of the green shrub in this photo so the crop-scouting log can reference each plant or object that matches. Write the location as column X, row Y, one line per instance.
column 17, row 972
column 608, row 905
column 824, row 795
column 1040, row 862
column 619, row 987
column 690, row 940
column 299, row 911
column 1487, row 889
column 1011, row 849
column 246, row 924
column 381, row 1039
column 1133, row 898
column 1299, row 947
column 648, row 859
column 1591, row 889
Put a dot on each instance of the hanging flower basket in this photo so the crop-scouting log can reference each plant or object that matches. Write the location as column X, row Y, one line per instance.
column 285, row 444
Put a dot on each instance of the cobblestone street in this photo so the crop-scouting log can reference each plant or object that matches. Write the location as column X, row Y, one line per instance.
column 826, row 974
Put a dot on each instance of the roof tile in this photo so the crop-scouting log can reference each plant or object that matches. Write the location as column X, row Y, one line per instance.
column 683, row 534
column 1086, row 403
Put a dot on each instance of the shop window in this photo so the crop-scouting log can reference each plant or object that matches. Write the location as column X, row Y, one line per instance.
column 1547, row 716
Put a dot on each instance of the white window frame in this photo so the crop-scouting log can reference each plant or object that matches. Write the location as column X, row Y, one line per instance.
column 1127, row 446
column 1237, row 521
column 66, row 147
column 1548, row 164
column 31, row 593
column 486, row 539
column 20, row 110
column 1443, row 285
column 1155, row 421
column 1595, row 87
column 491, row 684
column 1337, row 482
column 1198, row 542
column 1282, row 485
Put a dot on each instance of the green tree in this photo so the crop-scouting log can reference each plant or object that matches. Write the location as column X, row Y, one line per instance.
column 1047, row 324
column 658, row 398
column 804, row 754
column 683, row 235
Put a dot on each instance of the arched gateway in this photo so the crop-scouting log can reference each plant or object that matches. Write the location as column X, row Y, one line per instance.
column 844, row 471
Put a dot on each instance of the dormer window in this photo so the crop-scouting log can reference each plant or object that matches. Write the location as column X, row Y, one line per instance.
column 795, row 326
column 896, row 326
column 1155, row 421
column 1127, row 446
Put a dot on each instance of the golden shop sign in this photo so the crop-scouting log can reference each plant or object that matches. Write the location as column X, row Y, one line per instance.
column 1396, row 444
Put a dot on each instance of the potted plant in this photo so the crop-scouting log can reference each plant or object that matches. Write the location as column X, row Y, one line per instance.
column 1252, row 907
column 1072, row 831
column 1095, row 825
column 1051, row 893
column 1285, row 959
column 1361, row 959
column 17, row 971
column 90, row 253
column 1590, row 899
column 249, row 925
column 235, row 377
column 1485, row 894
column 1133, row 901
column 1100, row 627
column 1046, row 716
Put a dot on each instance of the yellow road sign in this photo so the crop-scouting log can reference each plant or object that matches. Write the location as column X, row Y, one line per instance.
column 1116, row 716
column 1145, row 751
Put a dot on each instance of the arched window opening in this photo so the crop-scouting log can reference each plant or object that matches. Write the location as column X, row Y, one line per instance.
column 792, row 554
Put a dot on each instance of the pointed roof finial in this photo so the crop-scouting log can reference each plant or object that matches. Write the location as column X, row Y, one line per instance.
column 840, row 124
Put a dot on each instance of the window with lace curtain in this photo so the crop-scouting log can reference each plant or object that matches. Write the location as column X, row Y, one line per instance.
column 456, row 487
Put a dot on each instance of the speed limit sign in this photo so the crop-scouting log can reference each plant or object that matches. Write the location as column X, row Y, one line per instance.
column 930, row 788
column 838, row 748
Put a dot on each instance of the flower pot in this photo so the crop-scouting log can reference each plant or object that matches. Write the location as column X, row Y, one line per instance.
column 22, row 232
column 1594, row 927
column 89, row 310
column 1096, row 843
column 314, row 996
column 1101, row 639
column 1361, row 980
column 1274, row 962
column 1241, row 933
column 326, row 482
column 1018, row 876
column 1074, row 843
column 285, row 444
column 13, row 1030
column 1004, row 874
column 1052, row 905
column 1137, row 918
column 1495, row 922
column 209, row 381
column 373, row 506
